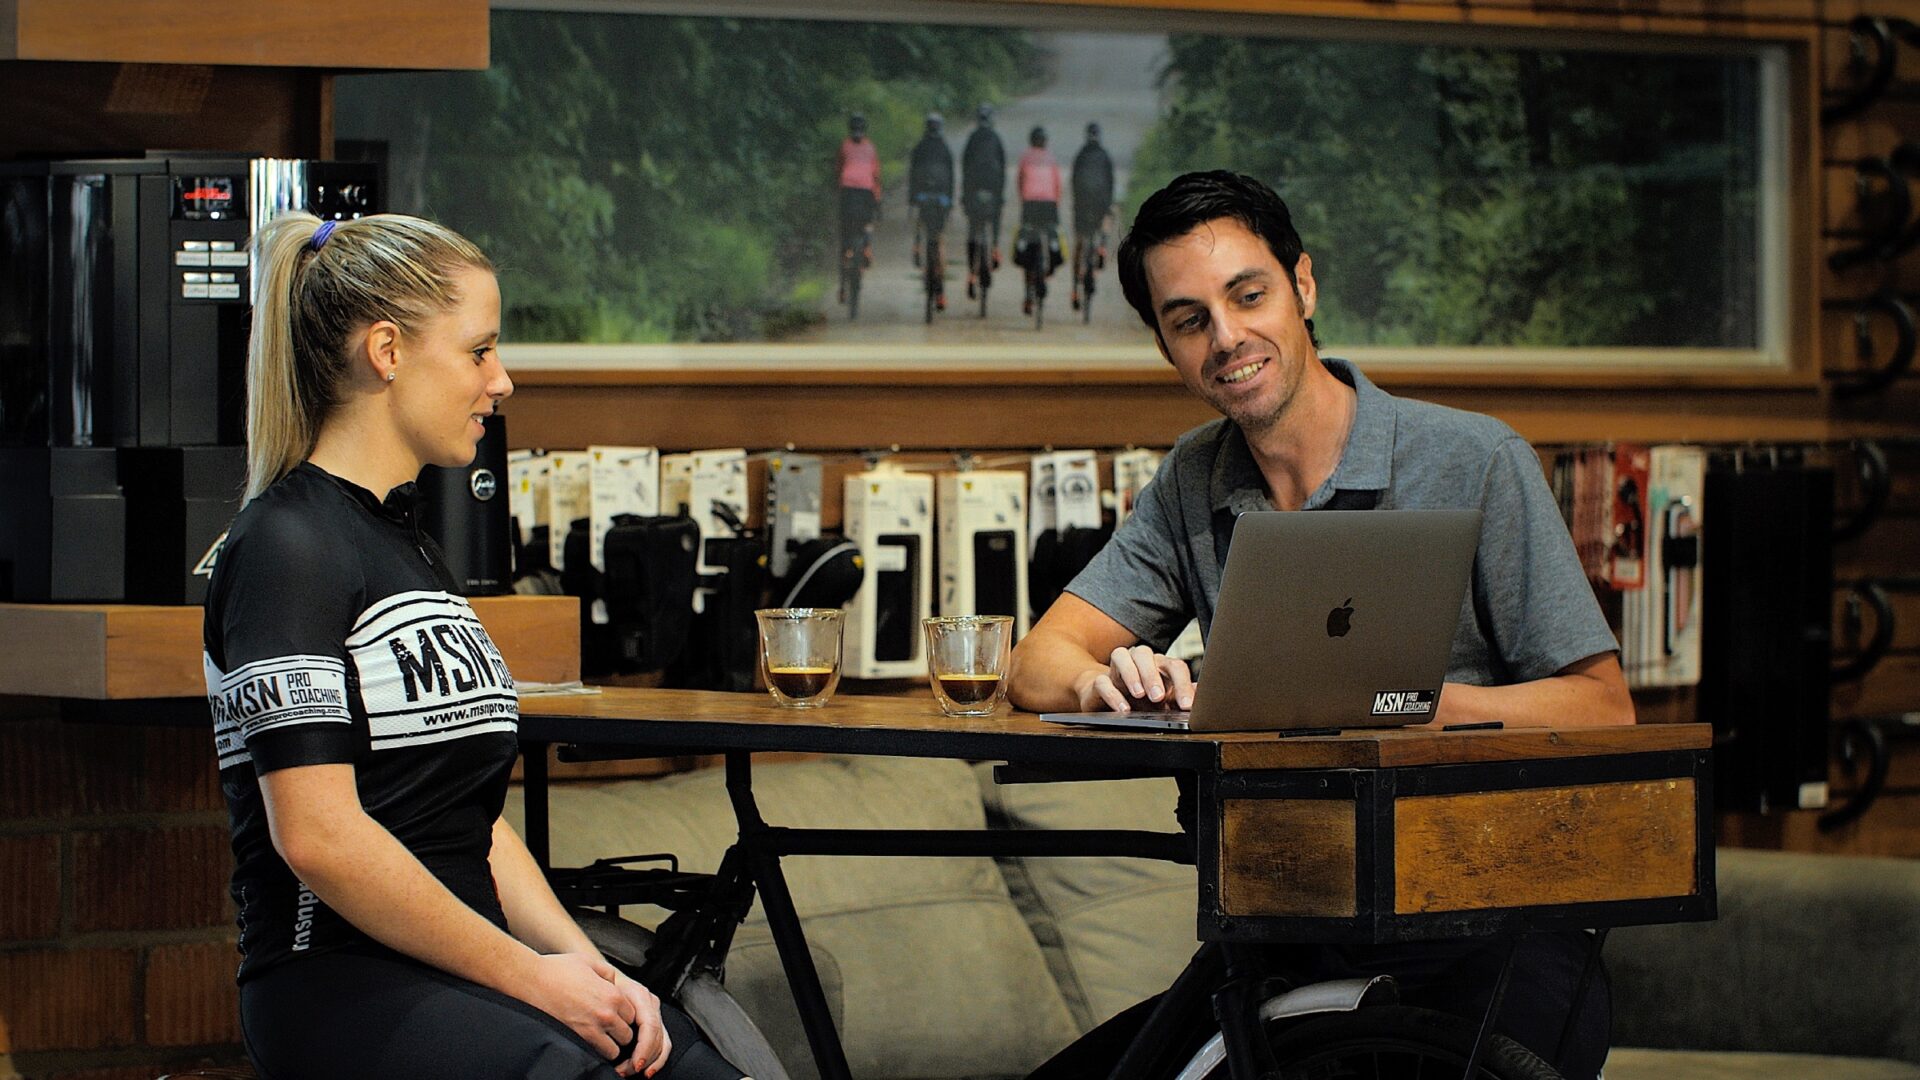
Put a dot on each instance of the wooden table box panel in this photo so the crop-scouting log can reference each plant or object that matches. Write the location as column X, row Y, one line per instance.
column 1444, row 849
column 1561, row 845
column 1288, row 857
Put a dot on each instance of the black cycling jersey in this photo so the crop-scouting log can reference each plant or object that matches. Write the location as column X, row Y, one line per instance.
column 334, row 634
column 983, row 172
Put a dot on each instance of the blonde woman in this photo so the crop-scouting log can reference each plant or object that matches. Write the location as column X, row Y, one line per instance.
column 391, row 923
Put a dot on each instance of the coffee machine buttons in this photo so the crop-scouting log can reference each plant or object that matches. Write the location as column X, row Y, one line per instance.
column 220, row 245
column 228, row 258
column 197, row 277
column 193, row 291
column 223, row 292
column 189, row 257
column 218, row 278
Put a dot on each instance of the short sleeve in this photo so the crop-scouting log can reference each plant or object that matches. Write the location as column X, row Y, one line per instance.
column 1136, row 578
column 278, row 615
column 1531, row 593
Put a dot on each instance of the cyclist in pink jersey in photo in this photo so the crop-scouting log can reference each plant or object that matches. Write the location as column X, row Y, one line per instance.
column 1039, row 185
column 859, row 174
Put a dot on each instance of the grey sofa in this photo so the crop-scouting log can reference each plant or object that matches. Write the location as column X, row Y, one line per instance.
column 942, row 969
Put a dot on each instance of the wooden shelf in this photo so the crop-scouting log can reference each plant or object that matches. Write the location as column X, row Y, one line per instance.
column 105, row 652
column 343, row 34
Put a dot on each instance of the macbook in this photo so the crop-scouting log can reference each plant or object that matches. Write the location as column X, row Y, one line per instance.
column 1327, row 619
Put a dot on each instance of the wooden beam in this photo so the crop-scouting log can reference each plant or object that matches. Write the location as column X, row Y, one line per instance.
column 120, row 651
column 342, row 34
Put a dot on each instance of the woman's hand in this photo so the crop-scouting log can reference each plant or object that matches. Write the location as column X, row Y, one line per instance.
column 650, row 1044
column 579, row 991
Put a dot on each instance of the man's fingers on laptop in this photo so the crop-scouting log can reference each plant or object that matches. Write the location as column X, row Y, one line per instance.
column 1149, row 684
column 1110, row 694
column 1182, row 679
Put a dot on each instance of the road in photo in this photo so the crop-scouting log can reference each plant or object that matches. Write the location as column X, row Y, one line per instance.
column 1109, row 79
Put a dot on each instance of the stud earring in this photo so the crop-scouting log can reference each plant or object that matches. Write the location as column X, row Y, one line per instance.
column 390, row 376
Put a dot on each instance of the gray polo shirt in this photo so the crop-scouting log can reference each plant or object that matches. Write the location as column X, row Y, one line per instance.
column 1528, row 613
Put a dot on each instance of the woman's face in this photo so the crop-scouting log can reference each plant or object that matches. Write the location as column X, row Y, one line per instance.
column 448, row 374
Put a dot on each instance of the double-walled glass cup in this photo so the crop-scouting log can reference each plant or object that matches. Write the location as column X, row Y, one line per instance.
column 967, row 658
column 800, row 654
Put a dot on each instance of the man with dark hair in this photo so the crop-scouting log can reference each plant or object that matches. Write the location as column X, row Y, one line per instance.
column 1215, row 269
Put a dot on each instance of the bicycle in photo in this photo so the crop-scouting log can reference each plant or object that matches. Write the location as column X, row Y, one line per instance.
column 1089, row 258
column 854, row 261
column 930, row 250
column 983, row 242
column 1039, row 257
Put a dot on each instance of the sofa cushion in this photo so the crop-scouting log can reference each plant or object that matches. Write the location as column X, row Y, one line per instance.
column 1114, row 931
column 939, row 975
column 1812, row 954
column 1639, row 1064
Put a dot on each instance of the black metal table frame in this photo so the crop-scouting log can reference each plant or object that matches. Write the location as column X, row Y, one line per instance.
column 1064, row 757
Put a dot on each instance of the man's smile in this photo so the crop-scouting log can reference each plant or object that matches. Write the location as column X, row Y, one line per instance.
column 1242, row 372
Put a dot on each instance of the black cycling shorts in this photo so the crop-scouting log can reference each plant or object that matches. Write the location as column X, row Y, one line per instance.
column 1040, row 215
column 347, row 1014
column 856, row 213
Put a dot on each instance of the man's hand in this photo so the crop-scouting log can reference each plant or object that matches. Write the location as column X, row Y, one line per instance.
column 1136, row 678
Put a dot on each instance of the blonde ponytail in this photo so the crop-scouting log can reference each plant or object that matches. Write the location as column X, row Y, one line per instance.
column 279, row 432
column 307, row 305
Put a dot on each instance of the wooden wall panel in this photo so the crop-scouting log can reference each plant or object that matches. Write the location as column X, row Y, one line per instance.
column 833, row 416
column 287, row 33
column 68, row 109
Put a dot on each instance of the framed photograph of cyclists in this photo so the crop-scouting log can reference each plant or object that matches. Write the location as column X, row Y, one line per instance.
column 831, row 185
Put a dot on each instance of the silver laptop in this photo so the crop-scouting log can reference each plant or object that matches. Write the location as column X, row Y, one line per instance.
column 1327, row 619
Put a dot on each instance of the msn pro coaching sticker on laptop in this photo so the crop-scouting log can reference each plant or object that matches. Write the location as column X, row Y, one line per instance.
column 1327, row 619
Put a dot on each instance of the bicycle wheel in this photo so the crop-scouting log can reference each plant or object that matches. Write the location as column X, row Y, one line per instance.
column 1382, row 1042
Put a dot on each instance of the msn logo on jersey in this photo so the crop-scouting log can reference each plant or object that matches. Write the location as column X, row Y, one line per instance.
column 446, row 659
column 1402, row 702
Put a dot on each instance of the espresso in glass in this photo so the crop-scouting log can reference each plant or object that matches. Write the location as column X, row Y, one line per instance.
column 800, row 654
column 967, row 660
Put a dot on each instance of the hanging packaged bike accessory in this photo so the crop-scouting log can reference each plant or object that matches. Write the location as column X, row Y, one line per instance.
column 824, row 573
column 647, row 591
column 1075, row 529
column 889, row 516
column 793, row 496
column 1660, row 622
column 723, row 640
column 983, row 544
column 569, row 490
column 622, row 481
column 1767, row 570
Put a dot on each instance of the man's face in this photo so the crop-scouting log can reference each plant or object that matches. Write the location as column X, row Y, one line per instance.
column 1230, row 321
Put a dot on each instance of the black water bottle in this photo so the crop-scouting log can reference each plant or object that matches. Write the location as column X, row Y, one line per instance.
column 465, row 511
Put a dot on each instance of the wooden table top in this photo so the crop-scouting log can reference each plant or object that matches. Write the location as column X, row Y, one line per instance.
column 706, row 720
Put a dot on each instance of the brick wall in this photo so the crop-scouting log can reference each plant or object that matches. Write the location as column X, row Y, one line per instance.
column 116, row 933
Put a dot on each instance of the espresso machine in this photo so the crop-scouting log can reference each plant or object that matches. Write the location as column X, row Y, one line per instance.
column 124, row 307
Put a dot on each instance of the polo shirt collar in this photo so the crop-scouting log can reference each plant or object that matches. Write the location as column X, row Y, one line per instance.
column 1366, row 463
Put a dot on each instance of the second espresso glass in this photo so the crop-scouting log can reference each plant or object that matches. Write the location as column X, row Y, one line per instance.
column 967, row 657
column 800, row 654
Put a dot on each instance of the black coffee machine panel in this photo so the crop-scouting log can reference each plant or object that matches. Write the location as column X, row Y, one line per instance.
column 124, row 324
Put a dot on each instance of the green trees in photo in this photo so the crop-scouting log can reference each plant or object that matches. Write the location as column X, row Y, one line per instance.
column 1456, row 195
column 650, row 178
